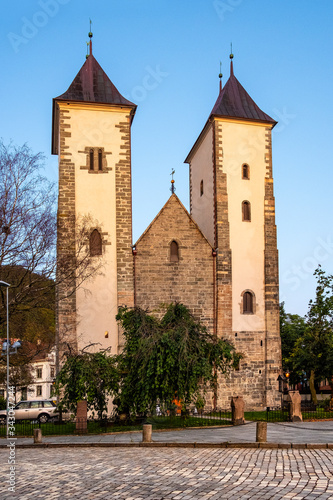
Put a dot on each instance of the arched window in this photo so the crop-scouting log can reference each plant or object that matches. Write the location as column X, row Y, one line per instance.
column 248, row 303
column 174, row 254
column 201, row 188
column 95, row 243
column 246, row 210
column 245, row 171
column 100, row 160
column 91, row 159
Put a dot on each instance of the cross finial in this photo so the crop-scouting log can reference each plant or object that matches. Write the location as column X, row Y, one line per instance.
column 90, row 36
column 172, row 189
column 220, row 76
column 231, row 64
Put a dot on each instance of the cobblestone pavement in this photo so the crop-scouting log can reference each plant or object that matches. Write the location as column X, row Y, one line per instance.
column 165, row 474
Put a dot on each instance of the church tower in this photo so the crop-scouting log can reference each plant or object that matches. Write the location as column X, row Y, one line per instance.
column 91, row 134
column 232, row 201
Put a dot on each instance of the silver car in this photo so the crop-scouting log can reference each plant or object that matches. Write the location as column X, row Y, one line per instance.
column 42, row 410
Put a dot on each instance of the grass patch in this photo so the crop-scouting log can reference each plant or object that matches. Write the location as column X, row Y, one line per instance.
column 319, row 414
column 264, row 416
column 26, row 427
column 183, row 422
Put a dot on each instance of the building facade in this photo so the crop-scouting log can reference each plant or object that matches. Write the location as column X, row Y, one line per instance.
column 221, row 260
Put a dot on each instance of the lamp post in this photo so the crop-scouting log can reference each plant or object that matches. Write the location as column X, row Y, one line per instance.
column 7, row 285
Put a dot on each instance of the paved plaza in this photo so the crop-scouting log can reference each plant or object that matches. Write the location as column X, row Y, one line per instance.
column 98, row 471
column 163, row 474
column 283, row 432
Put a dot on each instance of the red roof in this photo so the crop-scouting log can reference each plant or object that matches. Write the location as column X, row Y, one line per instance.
column 92, row 84
column 234, row 102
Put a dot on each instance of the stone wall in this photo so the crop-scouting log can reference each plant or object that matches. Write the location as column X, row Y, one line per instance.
column 125, row 278
column 273, row 339
column 190, row 280
column 66, row 298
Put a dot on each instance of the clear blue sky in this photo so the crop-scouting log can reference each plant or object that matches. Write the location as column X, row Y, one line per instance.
column 283, row 57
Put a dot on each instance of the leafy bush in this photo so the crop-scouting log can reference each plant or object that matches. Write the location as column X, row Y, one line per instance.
column 3, row 403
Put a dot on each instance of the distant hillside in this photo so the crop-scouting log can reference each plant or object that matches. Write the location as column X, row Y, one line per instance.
column 31, row 305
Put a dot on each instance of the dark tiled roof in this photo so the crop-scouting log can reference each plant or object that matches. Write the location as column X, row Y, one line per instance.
column 92, row 84
column 234, row 102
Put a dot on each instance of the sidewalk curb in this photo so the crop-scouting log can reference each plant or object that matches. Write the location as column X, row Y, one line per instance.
column 285, row 446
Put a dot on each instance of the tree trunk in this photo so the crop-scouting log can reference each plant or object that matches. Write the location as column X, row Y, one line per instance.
column 312, row 387
column 331, row 402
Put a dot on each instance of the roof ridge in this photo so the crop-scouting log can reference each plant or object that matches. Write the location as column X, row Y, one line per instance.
column 92, row 84
column 235, row 102
column 160, row 212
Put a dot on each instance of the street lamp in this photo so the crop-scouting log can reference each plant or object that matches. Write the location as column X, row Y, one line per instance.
column 7, row 285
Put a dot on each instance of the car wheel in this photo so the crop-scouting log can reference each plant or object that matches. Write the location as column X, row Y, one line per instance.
column 3, row 420
column 43, row 418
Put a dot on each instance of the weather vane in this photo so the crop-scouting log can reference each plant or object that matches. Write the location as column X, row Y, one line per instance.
column 172, row 189
column 220, row 76
column 89, row 44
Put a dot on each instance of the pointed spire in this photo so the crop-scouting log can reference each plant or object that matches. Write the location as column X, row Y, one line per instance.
column 231, row 63
column 90, row 36
column 220, row 76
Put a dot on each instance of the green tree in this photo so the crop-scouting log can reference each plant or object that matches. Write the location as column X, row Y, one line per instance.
column 313, row 351
column 168, row 358
column 292, row 327
column 90, row 376
column 28, row 261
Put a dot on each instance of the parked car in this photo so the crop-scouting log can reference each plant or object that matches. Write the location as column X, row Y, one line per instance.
column 42, row 410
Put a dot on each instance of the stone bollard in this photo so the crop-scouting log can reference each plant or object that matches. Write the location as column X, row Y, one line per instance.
column 294, row 400
column 81, row 417
column 237, row 410
column 146, row 433
column 261, row 435
column 37, row 435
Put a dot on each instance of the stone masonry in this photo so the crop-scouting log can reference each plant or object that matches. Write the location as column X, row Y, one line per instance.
column 207, row 273
column 66, row 298
column 190, row 280
column 125, row 278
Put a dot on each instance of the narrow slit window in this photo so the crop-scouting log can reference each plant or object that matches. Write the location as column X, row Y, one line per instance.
column 246, row 211
column 245, row 171
column 174, row 252
column 201, row 188
column 95, row 243
column 100, row 160
column 91, row 159
column 247, row 303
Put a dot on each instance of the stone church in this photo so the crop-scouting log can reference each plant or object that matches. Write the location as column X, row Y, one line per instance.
column 220, row 260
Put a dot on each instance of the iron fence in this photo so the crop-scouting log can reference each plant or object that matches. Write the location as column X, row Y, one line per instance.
column 96, row 426
column 163, row 421
column 277, row 414
column 309, row 410
column 191, row 419
column 51, row 428
column 319, row 411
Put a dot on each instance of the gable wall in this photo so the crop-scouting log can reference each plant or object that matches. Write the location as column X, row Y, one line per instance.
column 190, row 281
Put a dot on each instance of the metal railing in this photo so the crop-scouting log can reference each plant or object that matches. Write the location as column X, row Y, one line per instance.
column 95, row 426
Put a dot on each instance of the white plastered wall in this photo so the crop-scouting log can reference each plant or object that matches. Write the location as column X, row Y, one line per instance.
column 245, row 143
column 95, row 196
column 202, row 207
